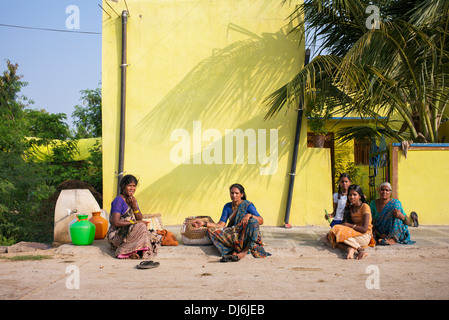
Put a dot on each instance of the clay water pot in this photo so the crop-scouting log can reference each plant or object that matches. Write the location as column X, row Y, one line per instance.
column 101, row 225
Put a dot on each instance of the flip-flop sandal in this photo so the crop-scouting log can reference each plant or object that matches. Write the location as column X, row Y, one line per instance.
column 234, row 258
column 229, row 258
column 414, row 217
column 383, row 242
column 147, row 265
column 226, row 258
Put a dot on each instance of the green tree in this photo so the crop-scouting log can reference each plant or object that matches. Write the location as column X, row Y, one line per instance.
column 88, row 123
column 88, row 116
column 22, row 183
column 51, row 130
column 26, row 182
column 47, row 126
column 398, row 67
column 12, row 124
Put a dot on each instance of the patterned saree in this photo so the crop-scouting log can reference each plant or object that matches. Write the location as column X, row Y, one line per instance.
column 135, row 238
column 236, row 237
column 386, row 223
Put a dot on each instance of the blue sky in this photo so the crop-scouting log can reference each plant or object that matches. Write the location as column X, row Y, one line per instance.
column 56, row 64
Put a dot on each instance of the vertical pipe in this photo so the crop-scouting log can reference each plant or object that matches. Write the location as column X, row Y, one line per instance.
column 123, row 66
column 292, row 173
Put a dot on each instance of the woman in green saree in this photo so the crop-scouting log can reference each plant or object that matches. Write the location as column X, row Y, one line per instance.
column 242, row 232
column 389, row 219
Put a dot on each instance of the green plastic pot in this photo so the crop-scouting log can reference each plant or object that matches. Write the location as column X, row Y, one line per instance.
column 82, row 231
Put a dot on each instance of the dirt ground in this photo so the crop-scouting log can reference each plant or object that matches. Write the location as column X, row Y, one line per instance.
column 308, row 272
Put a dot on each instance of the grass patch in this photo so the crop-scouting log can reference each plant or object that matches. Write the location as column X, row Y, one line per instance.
column 28, row 257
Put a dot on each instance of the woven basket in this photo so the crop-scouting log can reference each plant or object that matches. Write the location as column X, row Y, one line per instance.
column 154, row 221
column 195, row 236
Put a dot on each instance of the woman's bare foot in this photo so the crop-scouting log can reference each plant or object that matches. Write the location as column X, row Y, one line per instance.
column 386, row 242
column 350, row 252
column 362, row 254
column 241, row 254
column 134, row 256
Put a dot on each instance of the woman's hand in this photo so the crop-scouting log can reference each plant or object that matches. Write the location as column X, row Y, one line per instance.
column 117, row 222
column 198, row 223
column 398, row 214
column 132, row 202
column 202, row 223
column 246, row 218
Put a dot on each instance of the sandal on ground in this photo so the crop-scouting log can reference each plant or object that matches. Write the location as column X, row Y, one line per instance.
column 383, row 242
column 229, row 258
column 226, row 258
column 414, row 217
column 147, row 265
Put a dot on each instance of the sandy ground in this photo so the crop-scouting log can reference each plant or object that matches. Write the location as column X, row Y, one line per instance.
column 292, row 273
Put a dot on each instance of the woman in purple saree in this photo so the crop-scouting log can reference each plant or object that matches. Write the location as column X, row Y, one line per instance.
column 128, row 234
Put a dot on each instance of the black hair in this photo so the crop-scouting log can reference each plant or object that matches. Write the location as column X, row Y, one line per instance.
column 241, row 189
column 343, row 175
column 359, row 190
column 127, row 180
column 347, row 213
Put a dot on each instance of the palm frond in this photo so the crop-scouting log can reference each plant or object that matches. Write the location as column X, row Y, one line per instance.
column 400, row 68
column 363, row 132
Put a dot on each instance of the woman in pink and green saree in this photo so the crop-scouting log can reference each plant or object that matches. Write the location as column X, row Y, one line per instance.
column 128, row 234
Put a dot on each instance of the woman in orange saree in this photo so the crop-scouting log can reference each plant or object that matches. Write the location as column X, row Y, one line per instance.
column 355, row 233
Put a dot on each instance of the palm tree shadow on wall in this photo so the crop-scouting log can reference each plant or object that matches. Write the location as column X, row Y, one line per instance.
column 243, row 73
column 238, row 77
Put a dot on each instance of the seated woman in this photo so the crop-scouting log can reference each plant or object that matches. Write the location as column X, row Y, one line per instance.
column 242, row 232
column 389, row 219
column 128, row 234
column 355, row 233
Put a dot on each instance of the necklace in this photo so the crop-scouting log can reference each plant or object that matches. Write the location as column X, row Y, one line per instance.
column 353, row 209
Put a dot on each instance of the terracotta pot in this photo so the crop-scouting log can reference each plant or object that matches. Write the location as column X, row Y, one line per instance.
column 101, row 225
column 318, row 140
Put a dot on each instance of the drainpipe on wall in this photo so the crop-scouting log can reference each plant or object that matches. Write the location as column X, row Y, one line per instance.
column 123, row 66
column 295, row 155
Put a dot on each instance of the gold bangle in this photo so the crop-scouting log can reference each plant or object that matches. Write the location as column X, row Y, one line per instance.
column 132, row 222
column 137, row 211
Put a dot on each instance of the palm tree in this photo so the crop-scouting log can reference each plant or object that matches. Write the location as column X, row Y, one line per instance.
column 397, row 69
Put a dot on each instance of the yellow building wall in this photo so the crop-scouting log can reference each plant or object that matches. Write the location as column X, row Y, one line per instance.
column 199, row 72
column 344, row 152
column 422, row 184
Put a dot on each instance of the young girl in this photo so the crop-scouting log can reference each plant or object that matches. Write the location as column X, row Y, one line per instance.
column 340, row 199
column 355, row 233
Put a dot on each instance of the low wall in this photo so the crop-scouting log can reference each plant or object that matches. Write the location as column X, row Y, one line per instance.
column 420, row 180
